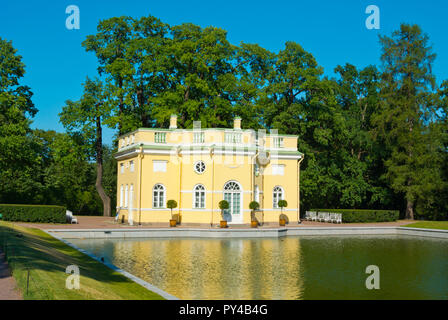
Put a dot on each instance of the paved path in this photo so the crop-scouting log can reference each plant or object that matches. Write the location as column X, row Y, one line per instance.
column 90, row 222
column 8, row 289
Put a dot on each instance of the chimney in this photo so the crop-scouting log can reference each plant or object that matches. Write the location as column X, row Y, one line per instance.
column 237, row 123
column 173, row 121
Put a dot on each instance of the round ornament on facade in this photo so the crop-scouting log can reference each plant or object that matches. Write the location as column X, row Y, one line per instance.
column 199, row 167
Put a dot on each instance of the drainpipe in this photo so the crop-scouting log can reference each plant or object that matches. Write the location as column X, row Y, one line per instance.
column 253, row 174
column 212, row 153
column 180, row 182
column 298, row 189
column 253, row 178
column 140, row 185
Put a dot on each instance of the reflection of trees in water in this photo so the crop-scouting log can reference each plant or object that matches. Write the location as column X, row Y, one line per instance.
column 286, row 268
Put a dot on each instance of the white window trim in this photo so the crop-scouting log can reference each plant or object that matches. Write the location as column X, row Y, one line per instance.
column 281, row 198
column 126, row 196
column 164, row 196
column 154, row 162
column 275, row 169
column 194, row 197
column 197, row 162
column 121, row 196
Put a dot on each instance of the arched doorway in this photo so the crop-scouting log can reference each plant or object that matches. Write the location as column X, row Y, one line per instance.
column 233, row 195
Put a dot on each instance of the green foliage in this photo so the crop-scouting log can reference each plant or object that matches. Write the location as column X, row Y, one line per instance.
column 33, row 213
column 357, row 215
column 254, row 205
column 375, row 138
column 171, row 204
column 19, row 151
column 282, row 203
column 223, row 205
column 407, row 121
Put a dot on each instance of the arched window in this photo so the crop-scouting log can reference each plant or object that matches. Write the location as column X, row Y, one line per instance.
column 158, row 196
column 121, row 196
column 131, row 197
column 277, row 195
column 232, row 193
column 199, row 196
column 126, row 194
column 232, row 186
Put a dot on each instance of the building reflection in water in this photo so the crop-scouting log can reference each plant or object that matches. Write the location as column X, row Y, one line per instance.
column 285, row 268
column 210, row 268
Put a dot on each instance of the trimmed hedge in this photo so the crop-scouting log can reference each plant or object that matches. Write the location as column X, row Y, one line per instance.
column 358, row 215
column 33, row 213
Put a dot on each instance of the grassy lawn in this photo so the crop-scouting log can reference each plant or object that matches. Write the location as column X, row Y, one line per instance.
column 47, row 258
column 429, row 225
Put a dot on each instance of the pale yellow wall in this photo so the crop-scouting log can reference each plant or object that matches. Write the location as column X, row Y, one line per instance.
column 288, row 182
column 180, row 176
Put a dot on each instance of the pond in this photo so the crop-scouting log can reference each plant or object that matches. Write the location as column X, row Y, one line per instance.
column 306, row 267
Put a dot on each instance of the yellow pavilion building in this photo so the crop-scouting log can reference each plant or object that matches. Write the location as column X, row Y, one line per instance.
column 200, row 167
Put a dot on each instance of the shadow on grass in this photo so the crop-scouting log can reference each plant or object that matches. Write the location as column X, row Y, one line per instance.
column 36, row 250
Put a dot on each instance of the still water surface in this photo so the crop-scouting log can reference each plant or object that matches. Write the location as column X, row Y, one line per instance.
column 287, row 268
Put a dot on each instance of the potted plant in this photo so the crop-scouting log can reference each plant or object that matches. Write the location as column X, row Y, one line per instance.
column 171, row 204
column 254, row 205
column 223, row 205
column 282, row 204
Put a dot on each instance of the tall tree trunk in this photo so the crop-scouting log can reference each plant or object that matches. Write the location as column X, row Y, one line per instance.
column 99, row 169
column 409, row 210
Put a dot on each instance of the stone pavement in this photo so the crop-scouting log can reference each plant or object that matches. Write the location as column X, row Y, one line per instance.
column 8, row 290
column 96, row 222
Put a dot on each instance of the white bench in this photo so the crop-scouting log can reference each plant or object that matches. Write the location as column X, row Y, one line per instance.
column 70, row 217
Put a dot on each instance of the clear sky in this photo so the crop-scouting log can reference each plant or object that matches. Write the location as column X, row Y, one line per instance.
column 333, row 31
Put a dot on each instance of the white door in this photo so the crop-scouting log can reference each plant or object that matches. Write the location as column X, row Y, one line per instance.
column 233, row 195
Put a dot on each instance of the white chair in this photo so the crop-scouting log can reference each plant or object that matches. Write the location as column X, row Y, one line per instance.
column 70, row 218
column 327, row 217
column 320, row 216
column 313, row 216
column 118, row 214
column 332, row 217
column 338, row 217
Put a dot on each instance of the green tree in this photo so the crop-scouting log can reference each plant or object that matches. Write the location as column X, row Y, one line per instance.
column 404, row 121
column 19, row 151
column 253, row 206
column 223, row 205
column 85, row 117
column 67, row 175
column 171, row 204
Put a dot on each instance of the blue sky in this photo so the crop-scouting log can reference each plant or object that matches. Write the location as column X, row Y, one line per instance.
column 333, row 31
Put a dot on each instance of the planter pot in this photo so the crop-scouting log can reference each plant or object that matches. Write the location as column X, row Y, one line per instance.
column 173, row 223
column 223, row 224
column 282, row 222
column 254, row 224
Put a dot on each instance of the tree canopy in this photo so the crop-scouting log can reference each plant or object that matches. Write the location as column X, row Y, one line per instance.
column 374, row 137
